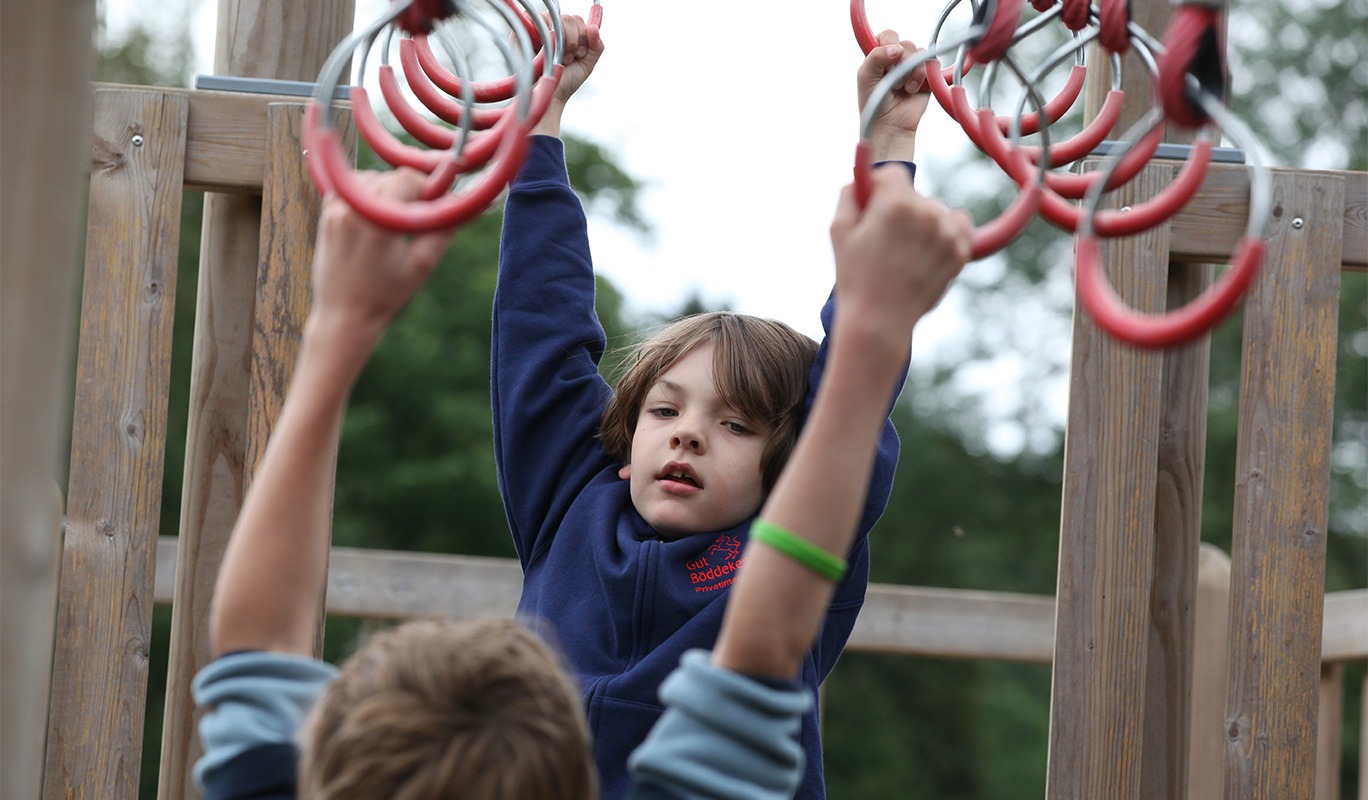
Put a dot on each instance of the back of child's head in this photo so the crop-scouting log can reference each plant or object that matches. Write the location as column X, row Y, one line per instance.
column 760, row 367
column 479, row 709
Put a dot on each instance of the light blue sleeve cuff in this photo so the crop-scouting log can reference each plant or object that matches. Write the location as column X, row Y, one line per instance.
column 723, row 735
column 251, row 699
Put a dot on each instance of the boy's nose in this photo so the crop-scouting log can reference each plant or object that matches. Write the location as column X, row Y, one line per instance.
column 685, row 438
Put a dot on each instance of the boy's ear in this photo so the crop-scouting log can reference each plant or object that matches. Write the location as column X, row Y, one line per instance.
column 626, row 472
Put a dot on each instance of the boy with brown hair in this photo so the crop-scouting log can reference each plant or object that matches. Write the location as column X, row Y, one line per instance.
column 629, row 507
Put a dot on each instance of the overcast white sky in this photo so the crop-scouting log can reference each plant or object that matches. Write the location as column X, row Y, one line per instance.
column 740, row 119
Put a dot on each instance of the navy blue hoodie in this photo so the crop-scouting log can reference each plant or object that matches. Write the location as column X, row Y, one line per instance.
column 622, row 603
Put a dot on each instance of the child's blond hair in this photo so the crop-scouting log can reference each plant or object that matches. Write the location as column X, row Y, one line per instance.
column 480, row 709
column 760, row 366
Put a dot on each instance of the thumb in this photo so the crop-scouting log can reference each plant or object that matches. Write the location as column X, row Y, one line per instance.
column 847, row 213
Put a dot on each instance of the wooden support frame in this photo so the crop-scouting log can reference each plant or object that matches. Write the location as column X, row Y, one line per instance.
column 1136, row 615
column 104, row 610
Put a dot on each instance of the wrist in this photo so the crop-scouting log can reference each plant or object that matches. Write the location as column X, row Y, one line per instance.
column 893, row 147
column 881, row 341
column 550, row 122
column 339, row 343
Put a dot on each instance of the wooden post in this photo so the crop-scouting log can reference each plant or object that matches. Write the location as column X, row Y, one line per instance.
column 256, row 39
column 1363, row 739
column 1210, row 668
column 46, row 130
column 118, row 444
column 1330, row 730
column 1106, row 550
column 1282, row 493
column 1177, row 535
column 1165, row 720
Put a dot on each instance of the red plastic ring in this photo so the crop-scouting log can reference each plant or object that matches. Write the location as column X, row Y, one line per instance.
column 1174, row 327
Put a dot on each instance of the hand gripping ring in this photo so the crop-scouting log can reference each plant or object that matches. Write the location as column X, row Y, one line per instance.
column 1181, row 325
column 866, row 38
column 986, row 239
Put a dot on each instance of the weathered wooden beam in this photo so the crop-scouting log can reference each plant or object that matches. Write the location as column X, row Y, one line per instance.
column 1106, row 549
column 118, row 444
column 270, row 39
column 908, row 620
column 226, row 142
column 1212, row 222
column 1282, row 481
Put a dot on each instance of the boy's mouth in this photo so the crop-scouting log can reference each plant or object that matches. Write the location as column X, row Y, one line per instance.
column 676, row 472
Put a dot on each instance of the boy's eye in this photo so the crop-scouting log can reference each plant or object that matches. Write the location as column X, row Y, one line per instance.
column 736, row 427
column 662, row 411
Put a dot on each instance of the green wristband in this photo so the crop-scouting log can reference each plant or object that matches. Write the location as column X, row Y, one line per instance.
column 799, row 549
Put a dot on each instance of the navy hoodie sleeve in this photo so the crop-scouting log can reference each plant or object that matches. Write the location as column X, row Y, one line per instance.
column 547, row 394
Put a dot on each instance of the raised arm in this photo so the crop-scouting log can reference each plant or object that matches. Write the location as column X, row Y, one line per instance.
column 894, row 261
column 582, row 50
column 275, row 567
column 546, row 392
column 893, row 136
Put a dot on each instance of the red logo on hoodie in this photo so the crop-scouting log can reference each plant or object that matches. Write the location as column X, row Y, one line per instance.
column 718, row 565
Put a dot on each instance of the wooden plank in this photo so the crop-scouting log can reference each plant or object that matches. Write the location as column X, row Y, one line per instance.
column 225, row 147
column 909, row 620
column 1363, row 740
column 1177, row 534
column 1344, row 634
column 1214, row 219
column 46, row 130
column 952, row 623
column 255, row 39
column 949, row 623
column 1282, row 495
column 123, row 371
column 413, row 585
column 1329, row 732
column 1206, row 744
column 1107, row 531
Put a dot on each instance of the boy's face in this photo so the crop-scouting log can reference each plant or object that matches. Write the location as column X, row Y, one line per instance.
column 695, row 465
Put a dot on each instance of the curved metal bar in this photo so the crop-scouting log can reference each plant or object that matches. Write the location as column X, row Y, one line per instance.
column 437, row 136
column 1074, row 185
column 502, row 88
column 331, row 73
column 1198, row 317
